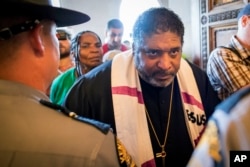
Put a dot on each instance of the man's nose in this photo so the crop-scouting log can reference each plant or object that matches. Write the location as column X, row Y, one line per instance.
column 117, row 38
column 165, row 61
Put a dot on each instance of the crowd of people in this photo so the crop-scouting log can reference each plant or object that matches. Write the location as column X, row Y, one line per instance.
column 86, row 47
column 84, row 102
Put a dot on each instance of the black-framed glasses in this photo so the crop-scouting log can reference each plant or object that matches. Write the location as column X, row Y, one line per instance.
column 8, row 32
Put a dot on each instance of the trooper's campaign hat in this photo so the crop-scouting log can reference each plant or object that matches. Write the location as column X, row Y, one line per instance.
column 36, row 10
column 42, row 9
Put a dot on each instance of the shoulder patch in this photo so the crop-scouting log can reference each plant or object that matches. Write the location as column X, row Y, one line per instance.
column 103, row 127
column 214, row 142
column 211, row 138
column 231, row 101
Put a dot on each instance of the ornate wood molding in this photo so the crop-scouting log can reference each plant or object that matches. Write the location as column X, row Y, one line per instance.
column 213, row 15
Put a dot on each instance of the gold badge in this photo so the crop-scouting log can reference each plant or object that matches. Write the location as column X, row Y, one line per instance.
column 211, row 136
column 124, row 156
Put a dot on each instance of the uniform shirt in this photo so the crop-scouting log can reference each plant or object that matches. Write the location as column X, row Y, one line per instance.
column 227, row 130
column 227, row 71
column 34, row 135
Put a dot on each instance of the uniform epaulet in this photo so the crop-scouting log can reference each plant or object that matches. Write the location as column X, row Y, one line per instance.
column 104, row 128
column 231, row 101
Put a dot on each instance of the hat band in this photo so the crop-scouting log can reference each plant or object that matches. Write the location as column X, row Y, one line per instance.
column 8, row 32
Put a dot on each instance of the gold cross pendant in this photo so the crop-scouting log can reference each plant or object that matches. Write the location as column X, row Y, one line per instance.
column 162, row 154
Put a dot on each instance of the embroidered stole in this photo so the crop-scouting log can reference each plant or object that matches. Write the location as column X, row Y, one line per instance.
column 129, row 108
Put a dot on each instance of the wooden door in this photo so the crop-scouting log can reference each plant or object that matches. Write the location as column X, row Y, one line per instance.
column 218, row 22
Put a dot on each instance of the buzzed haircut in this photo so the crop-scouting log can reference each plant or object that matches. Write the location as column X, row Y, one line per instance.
column 114, row 23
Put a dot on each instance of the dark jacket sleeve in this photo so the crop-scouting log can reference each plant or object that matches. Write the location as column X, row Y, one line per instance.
column 209, row 97
column 91, row 95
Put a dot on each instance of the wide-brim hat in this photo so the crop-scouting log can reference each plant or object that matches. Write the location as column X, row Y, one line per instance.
column 42, row 9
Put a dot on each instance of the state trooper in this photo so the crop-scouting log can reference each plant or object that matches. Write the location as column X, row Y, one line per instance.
column 35, row 132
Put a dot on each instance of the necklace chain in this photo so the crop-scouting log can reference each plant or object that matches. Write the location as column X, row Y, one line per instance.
column 162, row 153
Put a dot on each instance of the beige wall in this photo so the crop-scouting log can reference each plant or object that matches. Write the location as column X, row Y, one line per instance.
column 101, row 11
column 183, row 9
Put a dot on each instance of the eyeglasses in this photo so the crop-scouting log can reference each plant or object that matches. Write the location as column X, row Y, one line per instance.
column 8, row 32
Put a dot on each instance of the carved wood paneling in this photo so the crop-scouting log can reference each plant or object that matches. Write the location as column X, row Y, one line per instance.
column 215, row 17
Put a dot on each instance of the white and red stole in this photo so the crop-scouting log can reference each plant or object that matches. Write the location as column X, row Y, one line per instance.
column 129, row 108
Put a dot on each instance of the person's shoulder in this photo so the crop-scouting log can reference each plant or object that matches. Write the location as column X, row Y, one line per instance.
column 105, row 45
column 99, row 70
column 235, row 99
column 102, row 127
column 218, row 51
column 124, row 47
column 110, row 55
column 219, row 48
column 65, row 76
column 105, row 48
column 222, row 51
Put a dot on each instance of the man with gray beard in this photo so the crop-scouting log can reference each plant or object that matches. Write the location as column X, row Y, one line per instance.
column 156, row 102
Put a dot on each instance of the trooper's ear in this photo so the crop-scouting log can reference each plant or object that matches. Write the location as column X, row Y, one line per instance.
column 245, row 20
column 36, row 39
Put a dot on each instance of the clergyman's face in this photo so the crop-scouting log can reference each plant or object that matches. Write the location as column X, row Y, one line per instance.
column 158, row 58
